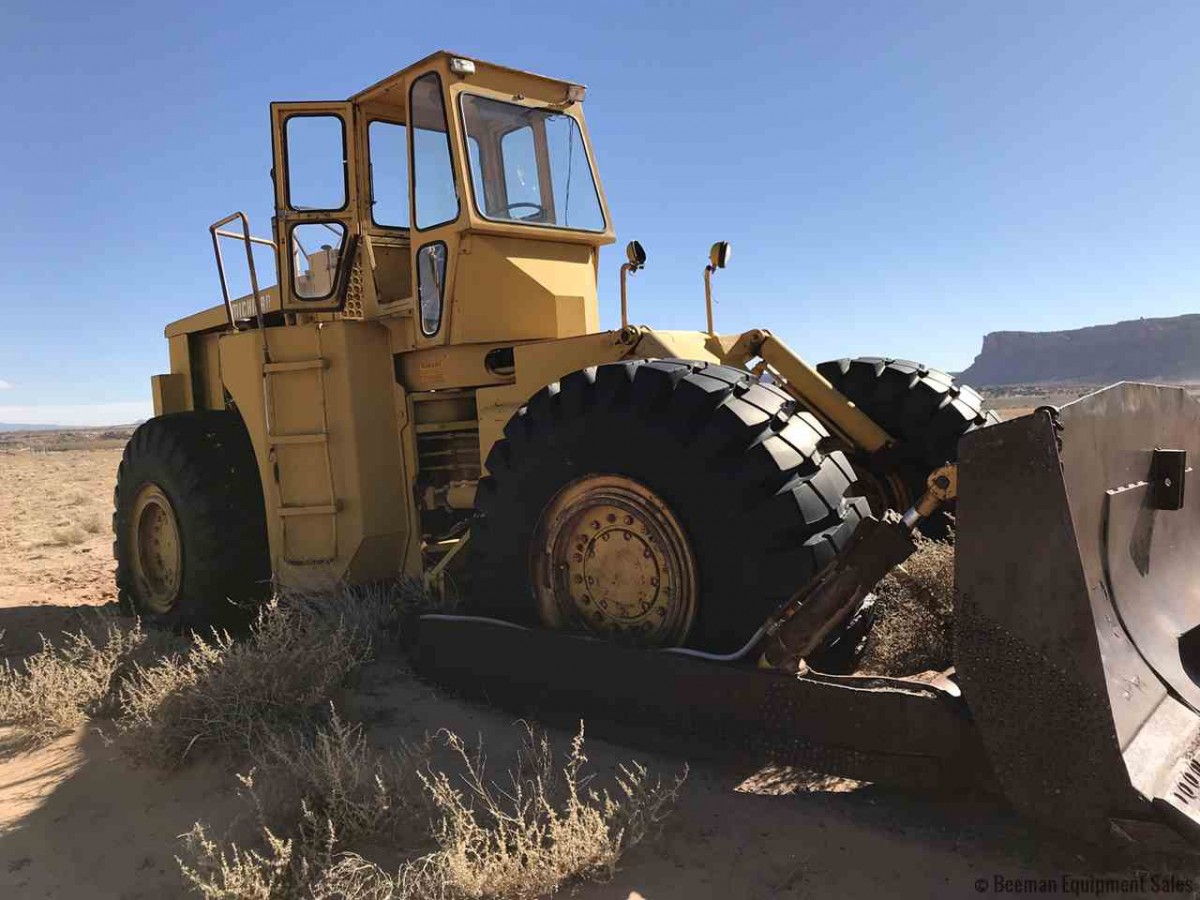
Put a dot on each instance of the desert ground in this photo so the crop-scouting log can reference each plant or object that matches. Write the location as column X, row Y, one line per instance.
column 82, row 817
column 1014, row 400
column 55, row 538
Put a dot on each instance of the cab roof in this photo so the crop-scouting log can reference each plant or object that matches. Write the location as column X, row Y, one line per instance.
column 391, row 90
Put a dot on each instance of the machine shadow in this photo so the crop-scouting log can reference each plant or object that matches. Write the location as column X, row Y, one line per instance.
column 78, row 820
column 22, row 628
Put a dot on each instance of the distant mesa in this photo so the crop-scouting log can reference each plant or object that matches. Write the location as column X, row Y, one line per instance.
column 1161, row 350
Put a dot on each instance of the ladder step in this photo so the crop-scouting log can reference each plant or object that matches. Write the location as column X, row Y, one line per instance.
column 316, row 437
column 299, row 365
column 436, row 427
column 328, row 510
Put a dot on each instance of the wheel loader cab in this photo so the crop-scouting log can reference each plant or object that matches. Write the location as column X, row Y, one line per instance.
column 456, row 197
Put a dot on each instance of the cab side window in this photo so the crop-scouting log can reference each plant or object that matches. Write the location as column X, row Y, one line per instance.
column 436, row 195
column 316, row 162
column 389, row 174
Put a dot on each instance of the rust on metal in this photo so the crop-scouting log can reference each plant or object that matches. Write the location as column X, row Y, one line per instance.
column 157, row 551
column 610, row 557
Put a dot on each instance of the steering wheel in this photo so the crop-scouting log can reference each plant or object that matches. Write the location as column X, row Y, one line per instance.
column 539, row 211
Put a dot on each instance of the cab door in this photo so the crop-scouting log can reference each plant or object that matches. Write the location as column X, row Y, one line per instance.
column 436, row 195
column 316, row 202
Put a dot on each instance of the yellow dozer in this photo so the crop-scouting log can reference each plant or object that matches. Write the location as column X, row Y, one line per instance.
column 651, row 528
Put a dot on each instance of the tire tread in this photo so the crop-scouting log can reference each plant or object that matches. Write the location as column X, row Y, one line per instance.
column 741, row 467
column 205, row 464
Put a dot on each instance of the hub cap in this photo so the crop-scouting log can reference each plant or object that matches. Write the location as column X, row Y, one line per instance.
column 610, row 557
column 157, row 556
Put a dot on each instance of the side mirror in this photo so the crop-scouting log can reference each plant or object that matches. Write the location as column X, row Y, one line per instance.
column 637, row 259
column 719, row 255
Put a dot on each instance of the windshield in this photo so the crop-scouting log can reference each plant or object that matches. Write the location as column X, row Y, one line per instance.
column 529, row 166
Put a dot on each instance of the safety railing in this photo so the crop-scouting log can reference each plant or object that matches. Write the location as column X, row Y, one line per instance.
column 249, row 241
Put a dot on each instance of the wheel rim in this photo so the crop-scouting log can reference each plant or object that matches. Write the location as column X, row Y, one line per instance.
column 157, row 549
column 610, row 557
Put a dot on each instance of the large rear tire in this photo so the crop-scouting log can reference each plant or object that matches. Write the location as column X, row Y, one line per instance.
column 664, row 502
column 189, row 522
column 924, row 409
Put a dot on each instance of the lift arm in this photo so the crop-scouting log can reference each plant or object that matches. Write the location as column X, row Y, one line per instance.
column 806, row 385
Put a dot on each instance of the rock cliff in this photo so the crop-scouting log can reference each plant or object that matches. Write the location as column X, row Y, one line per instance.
column 1140, row 349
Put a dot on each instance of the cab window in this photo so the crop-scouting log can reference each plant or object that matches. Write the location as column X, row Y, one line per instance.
column 435, row 194
column 389, row 174
column 520, row 169
column 529, row 166
column 316, row 162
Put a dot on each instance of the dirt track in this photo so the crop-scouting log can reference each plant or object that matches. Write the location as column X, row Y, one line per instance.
column 77, row 821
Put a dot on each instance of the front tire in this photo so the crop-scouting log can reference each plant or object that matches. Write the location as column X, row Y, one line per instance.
column 189, row 522
column 690, row 498
column 925, row 410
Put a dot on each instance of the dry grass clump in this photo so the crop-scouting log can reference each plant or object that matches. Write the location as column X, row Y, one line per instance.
column 914, row 615
column 221, row 692
column 335, row 780
column 529, row 837
column 64, row 684
column 230, row 694
column 232, row 873
column 68, row 535
column 370, row 612
column 76, row 520
column 325, row 790
column 93, row 523
column 76, row 497
column 68, row 532
column 540, row 828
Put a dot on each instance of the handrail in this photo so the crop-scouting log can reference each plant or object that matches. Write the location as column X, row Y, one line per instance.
column 249, row 240
column 255, row 240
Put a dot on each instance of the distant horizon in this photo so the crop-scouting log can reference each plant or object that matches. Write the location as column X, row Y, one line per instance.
column 102, row 415
column 19, row 427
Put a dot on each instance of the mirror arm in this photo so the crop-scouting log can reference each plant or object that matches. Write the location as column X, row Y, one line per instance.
column 625, row 269
column 708, row 303
column 637, row 259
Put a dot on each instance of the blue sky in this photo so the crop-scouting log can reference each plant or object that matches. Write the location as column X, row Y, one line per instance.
column 896, row 178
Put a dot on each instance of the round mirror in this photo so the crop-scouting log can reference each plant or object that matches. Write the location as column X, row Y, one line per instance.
column 719, row 254
column 636, row 254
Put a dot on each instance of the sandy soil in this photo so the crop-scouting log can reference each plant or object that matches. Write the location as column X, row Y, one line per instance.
column 757, row 834
column 78, row 821
column 55, row 540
